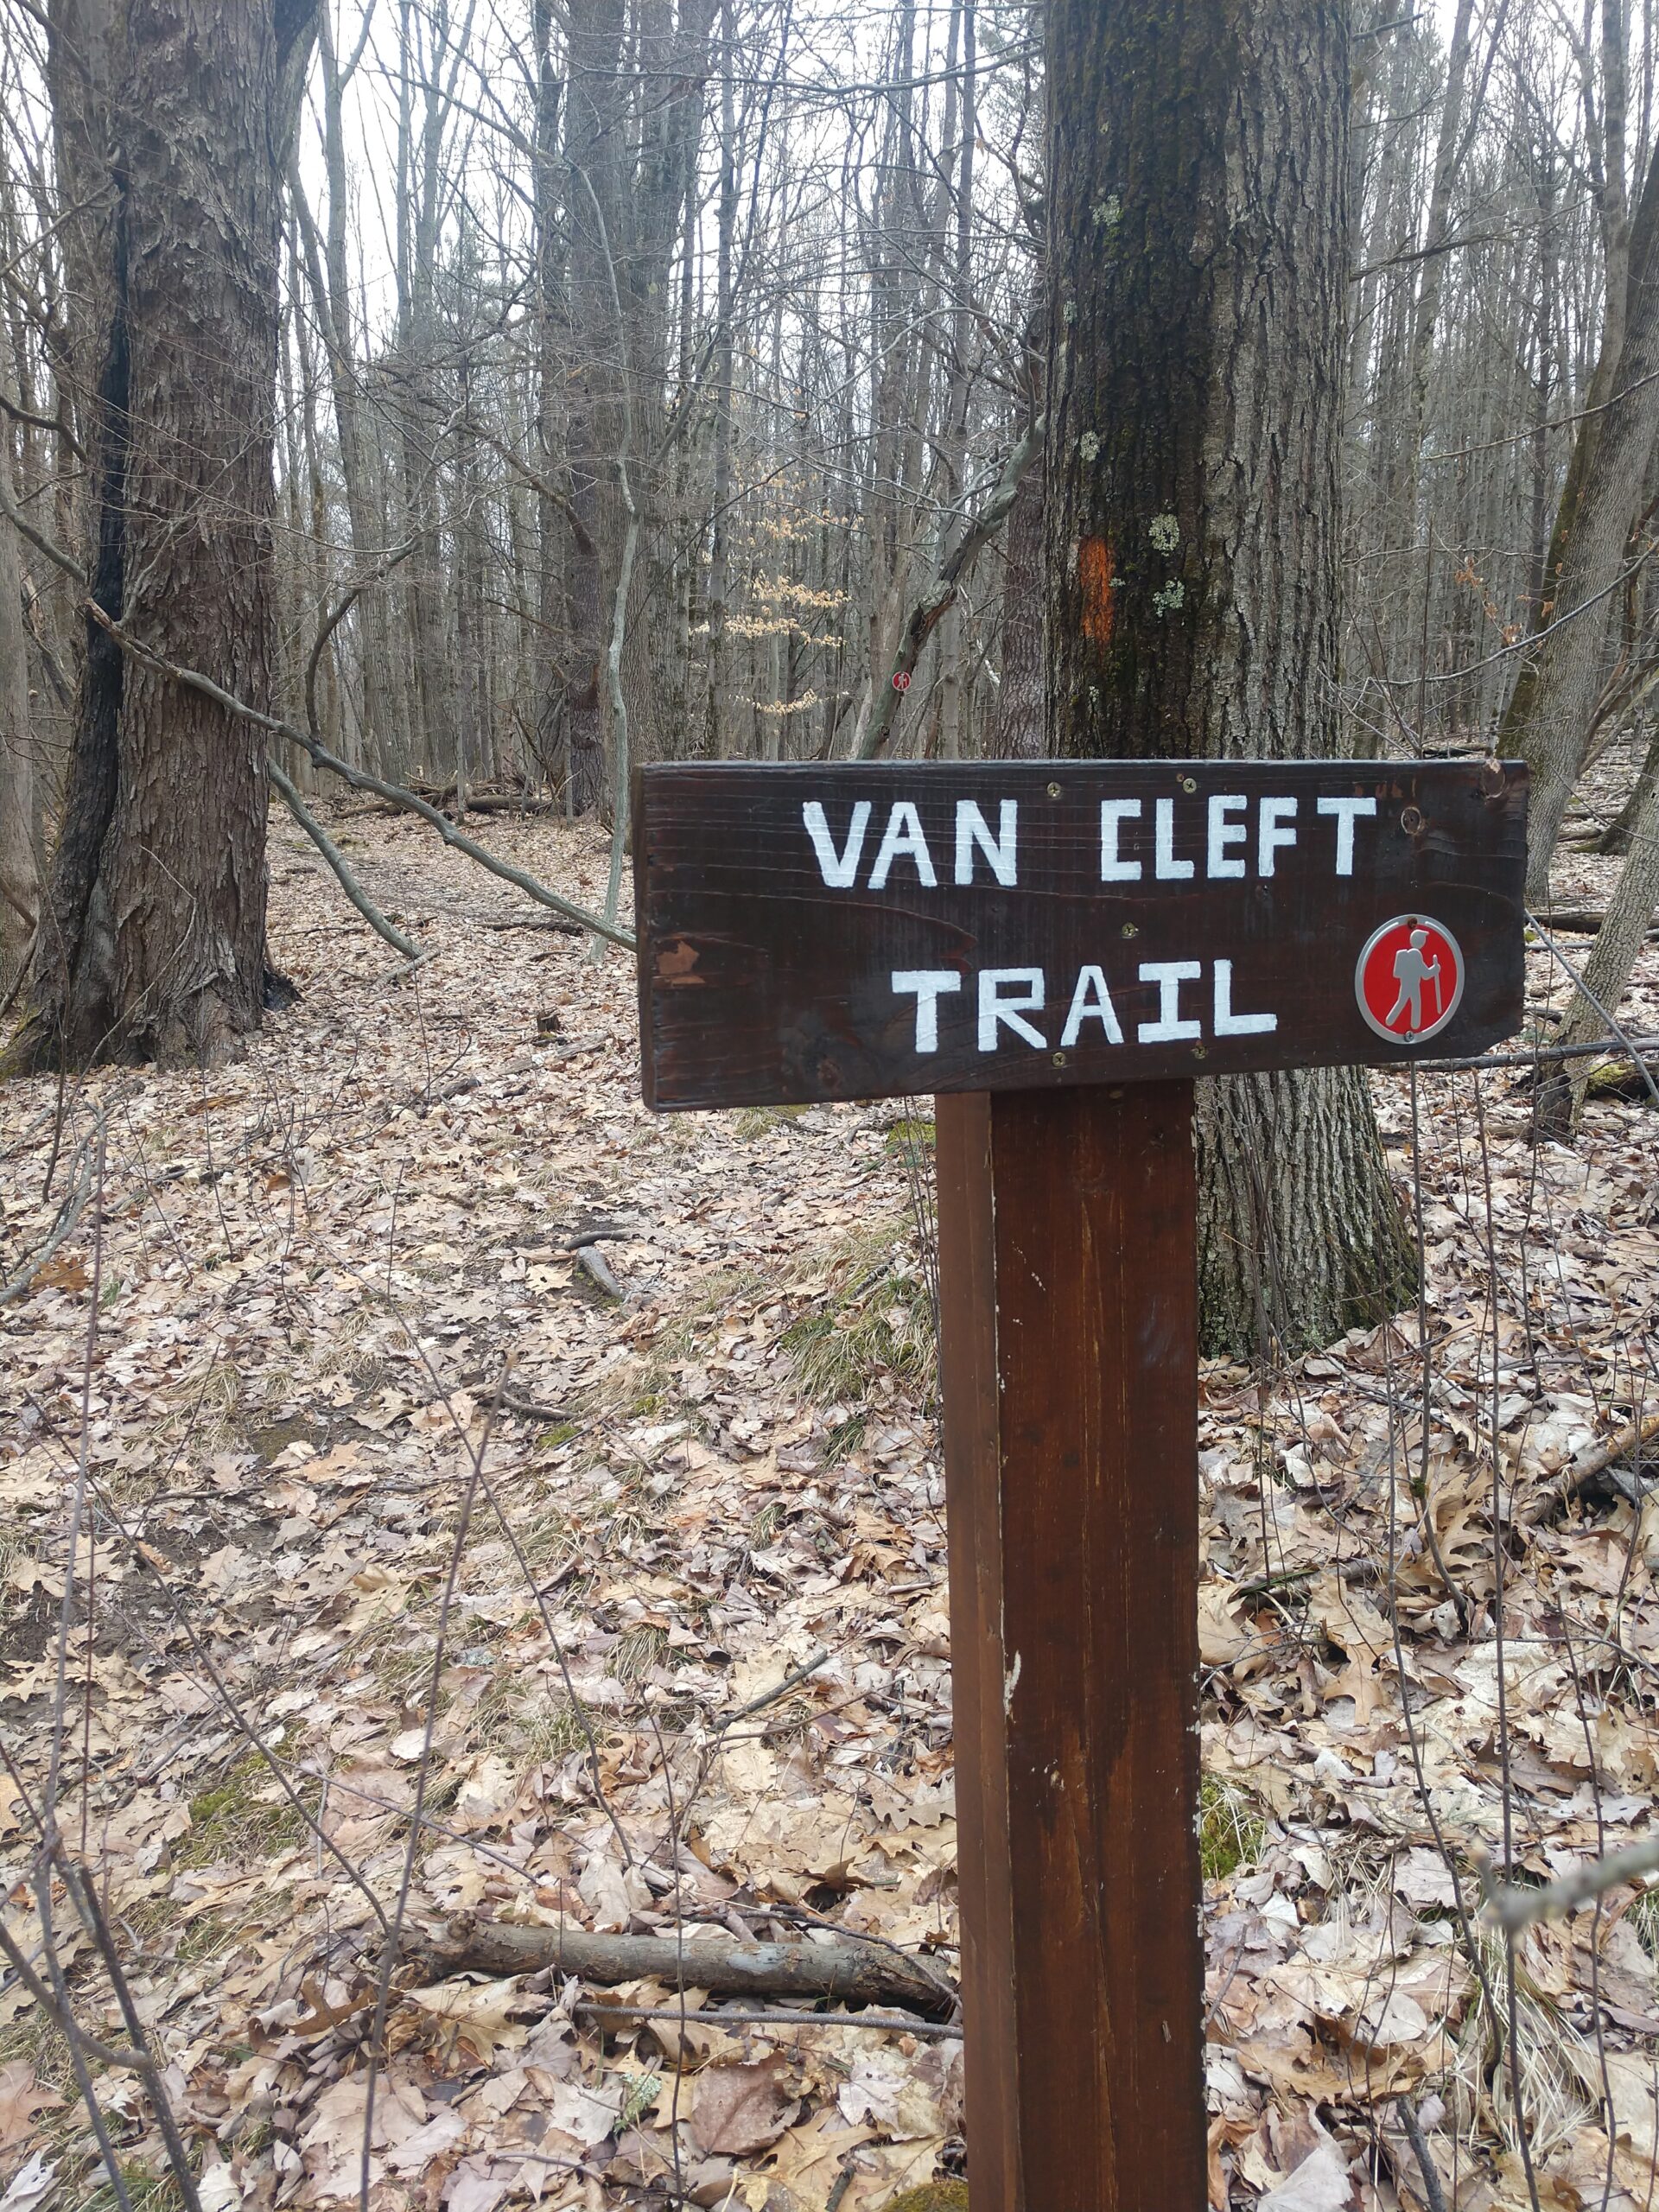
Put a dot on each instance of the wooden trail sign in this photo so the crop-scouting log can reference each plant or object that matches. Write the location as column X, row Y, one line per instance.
column 1057, row 950
column 857, row 932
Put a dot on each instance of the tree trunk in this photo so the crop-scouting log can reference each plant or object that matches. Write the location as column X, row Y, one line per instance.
column 155, row 946
column 385, row 744
column 20, row 882
column 594, row 370
column 1197, row 267
column 1547, row 721
column 1021, row 734
column 1621, row 937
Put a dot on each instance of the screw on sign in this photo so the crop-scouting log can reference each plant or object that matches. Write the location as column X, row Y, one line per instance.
column 1408, row 979
column 1055, row 950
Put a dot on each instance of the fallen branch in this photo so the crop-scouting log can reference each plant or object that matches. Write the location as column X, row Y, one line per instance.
column 1584, row 1467
column 600, row 2011
column 941, row 590
column 599, row 1270
column 1609, row 1047
column 1580, row 921
column 359, row 780
column 852, row 1971
column 336, row 860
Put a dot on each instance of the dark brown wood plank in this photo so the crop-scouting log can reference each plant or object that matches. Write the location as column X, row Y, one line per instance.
column 1067, row 1227
column 787, row 933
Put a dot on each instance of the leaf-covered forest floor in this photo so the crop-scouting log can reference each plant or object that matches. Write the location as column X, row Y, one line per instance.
column 308, row 1274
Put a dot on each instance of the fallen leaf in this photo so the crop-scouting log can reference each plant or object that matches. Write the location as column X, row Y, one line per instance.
column 742, row 2108
column 32, row 2186
column 1320, row 2184
column 20, row 2097
column 478, row 2014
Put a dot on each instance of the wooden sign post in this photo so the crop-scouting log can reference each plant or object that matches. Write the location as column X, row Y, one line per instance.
column 1057, row 949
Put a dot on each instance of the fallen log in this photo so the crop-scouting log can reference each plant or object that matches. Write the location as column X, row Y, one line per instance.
column 846, row 1970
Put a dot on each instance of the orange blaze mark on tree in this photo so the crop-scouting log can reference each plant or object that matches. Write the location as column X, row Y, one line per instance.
column 1096, row 569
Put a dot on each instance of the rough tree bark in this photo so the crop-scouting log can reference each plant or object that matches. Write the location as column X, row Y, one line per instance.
column 172, row 120
column 1198, row 268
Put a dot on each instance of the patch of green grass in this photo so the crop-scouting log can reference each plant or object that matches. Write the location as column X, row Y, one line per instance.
column 877, row 1319
column 761, row 1121
column 766, row 1524
column 633, row 1655
column 146, row 2192
column 561, row 1432
column 403, row 1669
column 1643, row 1916
column 1231, row 1830
column 913, row 1135
column 244, row 1817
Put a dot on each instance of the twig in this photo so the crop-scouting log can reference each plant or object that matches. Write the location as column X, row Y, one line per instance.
column 850, row 1969
column 422, row 1774
column 1594, row 1004
column 819, row 1658
column 336, row 860
column 1419, row 2142
column 1512, row 1909
column 85, row 1898
column 1609, row 1044
column 532, row 1409
column 79, row 2045
column 69, row 1213
column 106, row 2054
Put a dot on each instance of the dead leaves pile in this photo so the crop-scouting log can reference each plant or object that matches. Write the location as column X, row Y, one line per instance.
column 313, row 1269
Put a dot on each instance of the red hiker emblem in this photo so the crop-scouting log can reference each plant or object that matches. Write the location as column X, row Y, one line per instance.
column 1409, row 979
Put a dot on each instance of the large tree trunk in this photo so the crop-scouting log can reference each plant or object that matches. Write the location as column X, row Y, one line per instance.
column 155, row 945
column 1197, row 268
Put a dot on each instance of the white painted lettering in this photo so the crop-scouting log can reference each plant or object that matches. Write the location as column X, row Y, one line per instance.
column 1169, row 976
column 1346, row 812
column 1112, row 813
column 1271, row 832
column 1228, row 1024
column 995, row 1008
column 1091, row 1001
column 1165, row 864
column 839, row 870
column 1224, row 833
column 929, row 984
column 972, row 830
column 904, row 841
